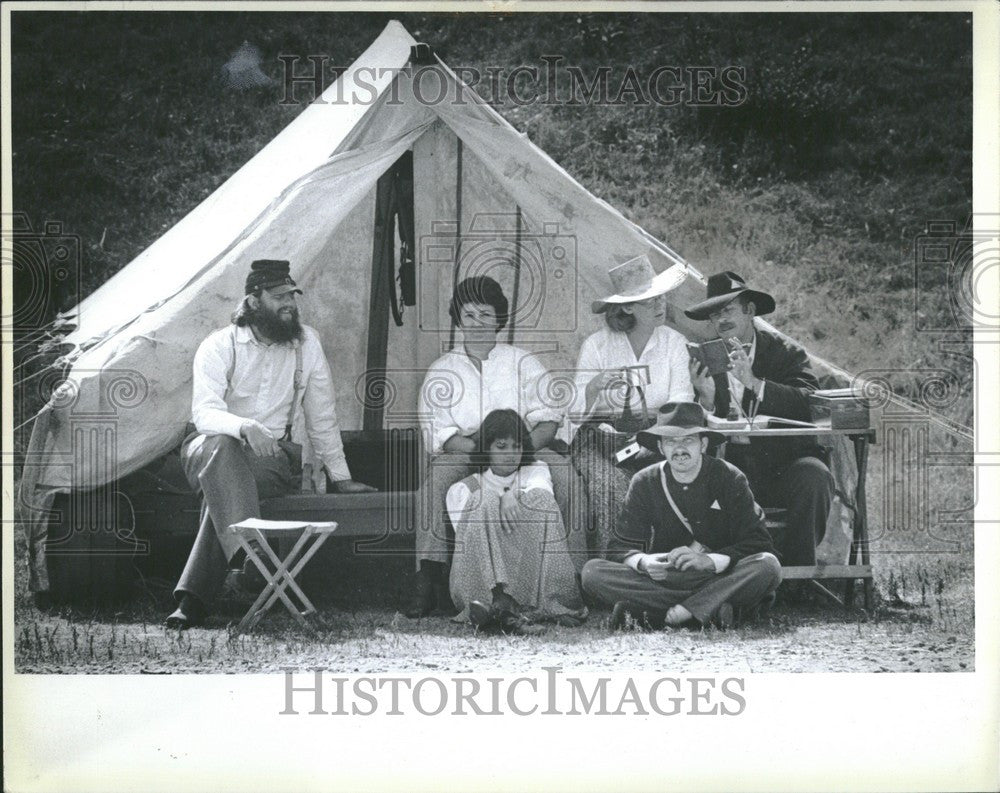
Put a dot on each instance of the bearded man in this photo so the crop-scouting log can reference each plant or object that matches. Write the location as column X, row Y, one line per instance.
column 250, row 379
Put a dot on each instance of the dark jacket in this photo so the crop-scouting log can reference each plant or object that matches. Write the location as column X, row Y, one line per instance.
column 784, row 366
column 735, row 526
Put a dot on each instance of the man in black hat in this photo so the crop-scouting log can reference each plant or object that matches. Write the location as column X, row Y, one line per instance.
column 691, row 543
column 769, row 375
column 250, row 379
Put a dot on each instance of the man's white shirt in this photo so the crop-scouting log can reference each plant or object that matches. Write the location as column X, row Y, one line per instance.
column 262, row 387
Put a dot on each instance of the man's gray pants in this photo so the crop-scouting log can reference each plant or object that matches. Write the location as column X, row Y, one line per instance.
column 701, row 593
column 231, row 480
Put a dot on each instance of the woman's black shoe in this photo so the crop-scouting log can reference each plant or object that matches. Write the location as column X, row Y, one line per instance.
column 516, row 625
column 482, row 617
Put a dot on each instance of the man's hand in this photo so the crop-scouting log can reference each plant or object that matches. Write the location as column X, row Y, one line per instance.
column 510, row 511
column 350, row 486
column 655, row 565
column 704, row 385
column 260, row 439
column 684, row 558
column 741, row 366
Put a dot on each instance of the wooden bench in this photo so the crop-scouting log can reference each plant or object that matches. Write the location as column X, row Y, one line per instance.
column 849, row 573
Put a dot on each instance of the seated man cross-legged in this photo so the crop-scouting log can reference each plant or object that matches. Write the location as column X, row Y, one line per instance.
column 691, row 543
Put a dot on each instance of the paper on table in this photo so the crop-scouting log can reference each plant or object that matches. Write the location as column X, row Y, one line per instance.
column 760, row 422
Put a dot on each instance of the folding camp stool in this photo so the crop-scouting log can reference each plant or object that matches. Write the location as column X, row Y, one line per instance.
column 311, row 537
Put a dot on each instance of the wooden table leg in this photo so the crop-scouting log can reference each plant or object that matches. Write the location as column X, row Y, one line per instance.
column 860, row 544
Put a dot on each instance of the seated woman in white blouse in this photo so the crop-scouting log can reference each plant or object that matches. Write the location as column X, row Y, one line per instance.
column 461, row 388
column 635, row 361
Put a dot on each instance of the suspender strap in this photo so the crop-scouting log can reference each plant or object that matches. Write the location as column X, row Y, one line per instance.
column 232, row 360
column 694, row 544
column 670, row 498
column 296, row 392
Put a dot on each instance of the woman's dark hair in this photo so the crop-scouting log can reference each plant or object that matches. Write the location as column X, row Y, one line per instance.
column 617, row 318
column 502, row 424
column 483, row 290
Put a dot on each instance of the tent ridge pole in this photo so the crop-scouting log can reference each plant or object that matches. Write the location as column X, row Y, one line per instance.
column 511, row 320
column 458, row 233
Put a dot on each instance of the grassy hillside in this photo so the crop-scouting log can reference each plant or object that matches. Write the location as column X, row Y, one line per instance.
column 856, row 131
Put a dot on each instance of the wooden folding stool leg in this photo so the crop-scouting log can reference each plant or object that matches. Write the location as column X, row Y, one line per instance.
column 286, row 571
column 311, row 537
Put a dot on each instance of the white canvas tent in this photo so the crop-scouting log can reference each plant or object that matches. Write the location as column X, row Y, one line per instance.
column 309, row 197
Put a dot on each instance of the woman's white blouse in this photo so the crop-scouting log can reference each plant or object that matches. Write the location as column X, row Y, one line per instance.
column 665, row 354
column 455, row 397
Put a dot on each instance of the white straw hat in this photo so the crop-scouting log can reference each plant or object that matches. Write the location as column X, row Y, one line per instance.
column 636, row 280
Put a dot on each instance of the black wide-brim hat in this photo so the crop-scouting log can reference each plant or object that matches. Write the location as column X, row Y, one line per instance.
column 725, row 287
column 675, row 420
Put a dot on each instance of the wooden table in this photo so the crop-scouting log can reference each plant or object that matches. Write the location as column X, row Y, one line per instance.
column 858, row 565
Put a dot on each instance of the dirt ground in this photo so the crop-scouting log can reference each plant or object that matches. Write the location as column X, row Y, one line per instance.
column 926, row 627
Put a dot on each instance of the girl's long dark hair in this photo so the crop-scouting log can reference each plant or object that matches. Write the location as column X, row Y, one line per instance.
column 500, row 424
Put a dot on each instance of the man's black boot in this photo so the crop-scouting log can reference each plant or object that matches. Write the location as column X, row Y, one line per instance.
column 190, row 613
column 423, row 600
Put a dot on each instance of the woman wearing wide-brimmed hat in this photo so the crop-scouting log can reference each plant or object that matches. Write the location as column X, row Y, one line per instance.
column 624, row 373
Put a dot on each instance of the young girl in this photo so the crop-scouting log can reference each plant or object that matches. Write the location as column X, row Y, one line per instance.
column 511, row 565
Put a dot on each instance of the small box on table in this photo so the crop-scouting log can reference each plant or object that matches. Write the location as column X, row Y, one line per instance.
column 844, row 408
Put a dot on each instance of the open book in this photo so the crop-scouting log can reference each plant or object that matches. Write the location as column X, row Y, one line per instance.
column 713, row 355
